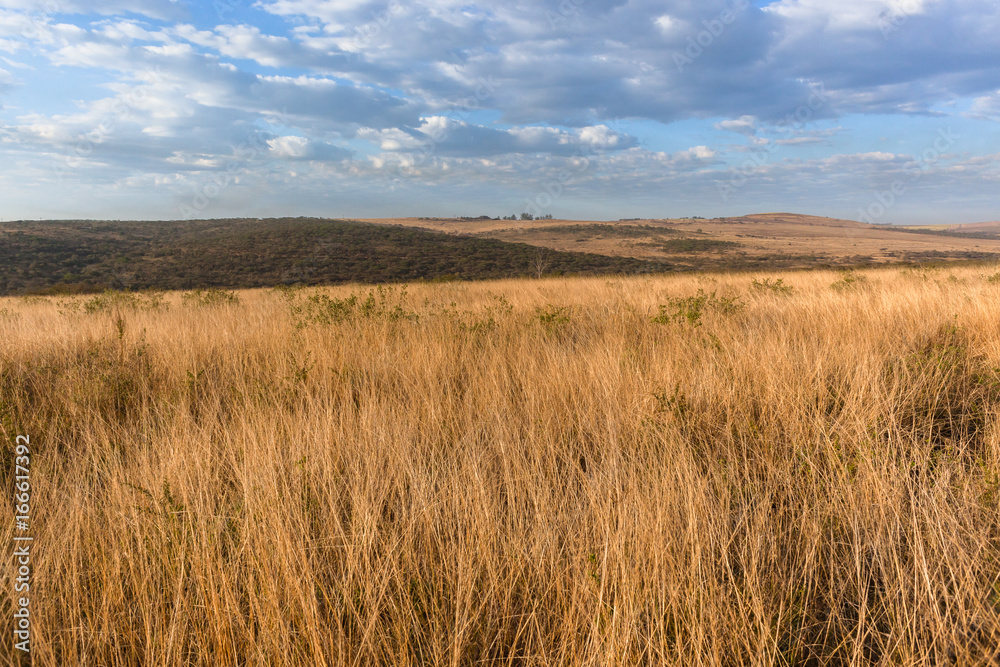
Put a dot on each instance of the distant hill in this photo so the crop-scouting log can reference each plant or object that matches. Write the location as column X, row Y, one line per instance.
column 87, row 255
column 799, row 219
column 762, row 240
column 93, row 255
column 977, row 228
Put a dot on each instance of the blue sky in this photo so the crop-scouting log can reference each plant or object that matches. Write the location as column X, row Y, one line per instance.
column 162, row 109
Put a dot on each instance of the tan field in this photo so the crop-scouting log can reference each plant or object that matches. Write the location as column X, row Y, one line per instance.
column 981, row 227
column 753, row 241
column 676, row 470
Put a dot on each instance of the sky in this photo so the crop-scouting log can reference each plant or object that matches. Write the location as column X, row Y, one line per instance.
column 878, row 110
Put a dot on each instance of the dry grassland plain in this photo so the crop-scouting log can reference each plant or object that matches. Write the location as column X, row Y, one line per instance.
column 686, row 469
column 761, row 241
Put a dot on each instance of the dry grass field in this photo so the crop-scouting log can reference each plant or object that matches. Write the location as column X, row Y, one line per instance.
column 785, row 240
column 711, row 469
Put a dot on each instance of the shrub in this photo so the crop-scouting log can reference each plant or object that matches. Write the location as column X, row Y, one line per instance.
column 111, row 300
column 382, row 303
column 552, row 317
column 776, row 287
column 210, row 297
column 848, row 282
column 690, row 309
column 322, row 309
column 69, row 306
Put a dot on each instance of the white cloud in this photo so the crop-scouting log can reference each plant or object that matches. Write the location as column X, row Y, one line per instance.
column 302, row 148
column 327, row 11
column 447, row 136
column 666, row 23
column 159, row 9
column 499, row 93
column 698, row 153
column 746, row 125
column 986, row 107
column 877, row 156
column 10, row 46
column 847, row 14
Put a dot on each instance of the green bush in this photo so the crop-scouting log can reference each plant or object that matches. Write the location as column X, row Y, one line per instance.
column 382, row 303
column 212, row 296
column 848, row 282
column 322, row 309
column 110, row 301
column 691, row 309
column 552, row 317
column 775, row 287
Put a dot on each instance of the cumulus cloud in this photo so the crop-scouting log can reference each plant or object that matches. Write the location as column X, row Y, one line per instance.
column 698, row 153
column 447, row 136
column 746, row 125
column 986, row 107
column 612, row 59
column 6, row 80
column 501, row 93
column 159, row 9
column 302, row 148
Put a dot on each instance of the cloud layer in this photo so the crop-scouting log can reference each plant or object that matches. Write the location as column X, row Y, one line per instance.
column 613, row 108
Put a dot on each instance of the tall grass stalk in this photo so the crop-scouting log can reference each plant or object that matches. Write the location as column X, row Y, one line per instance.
column 450, row 479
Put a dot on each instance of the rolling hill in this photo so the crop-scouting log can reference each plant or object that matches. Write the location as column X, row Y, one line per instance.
column 88, row 255
column 777, row 240
column 977, row 228
column 77, row 256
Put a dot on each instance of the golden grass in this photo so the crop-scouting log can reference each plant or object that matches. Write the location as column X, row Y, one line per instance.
column 451, row 476
column 803, row 240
